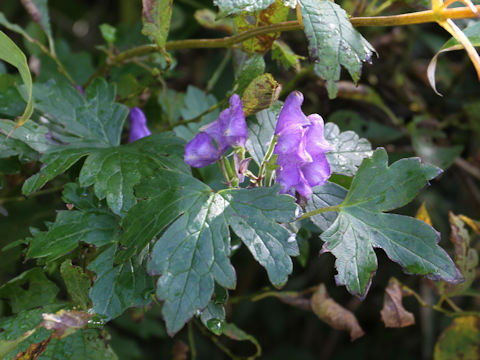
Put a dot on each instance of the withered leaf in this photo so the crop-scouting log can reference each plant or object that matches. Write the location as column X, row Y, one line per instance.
column 334, row 314
column 393, row 313
column 34, row 350
column 65, row 322
column 260, row 94
column 180, row 350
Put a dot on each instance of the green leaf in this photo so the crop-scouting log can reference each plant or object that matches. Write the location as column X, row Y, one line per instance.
column 235, row 6
column 441, row 156
column 28, row 290
column 333, row 41
column 115, row 171
column 156, row 16
column 88, row 344
column 261, row 132
column 193, row 252
column 167, row 196
column 195, row 103
column 77, row 283
column 254, row 214
column 95, row 226
column 329, row 194
column 285, row 56
column 213, row 317
column 460, row 340
column 11, row 53
column 251, row 68
column 119, row 287
column 235, row 333
column 348, row 150
column 361, row 225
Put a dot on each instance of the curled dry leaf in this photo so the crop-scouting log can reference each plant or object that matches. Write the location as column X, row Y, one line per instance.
column 65, row 322
column 334, row 314
column 34, row 350
column 393, row 313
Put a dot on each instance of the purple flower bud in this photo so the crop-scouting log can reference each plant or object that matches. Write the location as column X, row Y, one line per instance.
column 230, row 129
column 290, row 176
column 241, row 167
column 200, row 151
column 138, row 125
column 291, row 114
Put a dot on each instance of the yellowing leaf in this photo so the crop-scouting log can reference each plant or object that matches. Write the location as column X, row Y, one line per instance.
column 422, row 214
column 334, row 314
column 260, row 94
column 461, row 340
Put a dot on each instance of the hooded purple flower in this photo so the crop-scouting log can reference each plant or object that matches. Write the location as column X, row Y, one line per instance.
column 138, row 125
column 301, row 148
column 230, row 129
column 200, row 151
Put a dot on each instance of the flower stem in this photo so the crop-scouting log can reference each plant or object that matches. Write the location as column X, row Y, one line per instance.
column 319, row 211
column 267, row 157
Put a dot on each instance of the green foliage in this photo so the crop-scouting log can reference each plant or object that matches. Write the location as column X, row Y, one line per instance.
column 362, row 225
column 12, row 54
column 235, row 6
column 333, row 42
column 156, row 20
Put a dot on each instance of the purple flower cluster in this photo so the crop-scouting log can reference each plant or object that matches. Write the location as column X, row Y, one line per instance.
column 301, row 148
column 138, row 125
column 230, row 129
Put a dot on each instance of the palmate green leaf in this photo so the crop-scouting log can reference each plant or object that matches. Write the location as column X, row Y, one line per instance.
column 193, row 252
column 333, row 42
column 361, row 225
column 40, row 291
column 156, row 20
column 87, row 344
column 329, row 194
column 12, row 54
column 119, row 287
column 95, row 226
column 348, row 150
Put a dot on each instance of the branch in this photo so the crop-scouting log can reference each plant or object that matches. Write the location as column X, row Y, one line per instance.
column 419, row 17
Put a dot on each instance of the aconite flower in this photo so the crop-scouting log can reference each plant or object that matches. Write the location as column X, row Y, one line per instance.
column 138, row 125
column 300, row 148
column 230, row 129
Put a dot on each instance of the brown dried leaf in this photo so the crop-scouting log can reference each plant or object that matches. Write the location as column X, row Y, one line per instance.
column 65, row 322
column 334, row 314
column 34, row 350
column 393, row 313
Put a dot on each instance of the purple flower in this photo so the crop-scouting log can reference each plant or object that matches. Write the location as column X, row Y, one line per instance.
column 138, row 125
column 241, row 167
column 230, row 129
column 200, row 151
column 300, row 148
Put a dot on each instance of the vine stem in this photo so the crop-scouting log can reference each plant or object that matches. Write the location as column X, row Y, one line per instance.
column 319, row 211
column 418, row 17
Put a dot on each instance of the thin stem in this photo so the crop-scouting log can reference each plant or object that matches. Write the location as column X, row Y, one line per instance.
column 419, row 17
column 267, row 157
column 224, row 171
column 213, row 80
column 215, row 340
column 191, row 341
column 209, row 110
column 319, row 211
column 38, row 193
